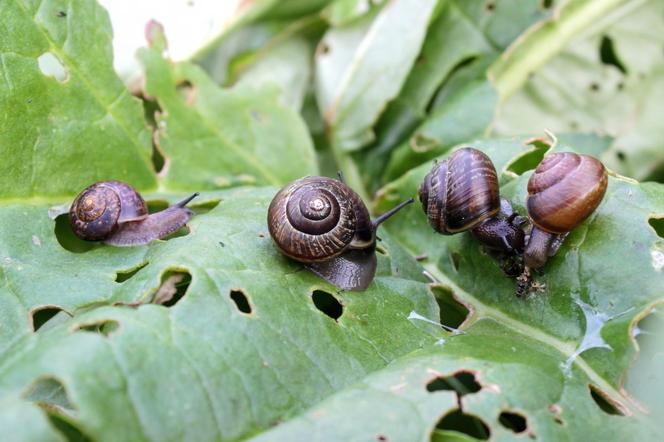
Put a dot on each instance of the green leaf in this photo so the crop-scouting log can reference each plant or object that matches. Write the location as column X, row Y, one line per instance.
column 361, row 67
column 66, row 118
column 126, row 371
column 447, row 70
column 516, row 372
column 288, row 65
column 585, row 268
column 342, row 12
column 608, row 81
column 214, row 138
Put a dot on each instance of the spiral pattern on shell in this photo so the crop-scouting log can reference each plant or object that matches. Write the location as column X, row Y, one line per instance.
column 99, row 210
column 564, row 190
column 314, row 219
column 460, row 192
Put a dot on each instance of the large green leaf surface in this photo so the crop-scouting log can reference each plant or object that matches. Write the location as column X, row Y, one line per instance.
column 212, row 334
column 204, row 345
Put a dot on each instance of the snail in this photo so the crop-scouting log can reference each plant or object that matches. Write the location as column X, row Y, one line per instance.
column 461, row 193
column 564, row 190
column 115, row 213
column 323, row 223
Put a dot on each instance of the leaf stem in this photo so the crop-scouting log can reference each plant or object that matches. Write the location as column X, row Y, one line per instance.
column 544, row 40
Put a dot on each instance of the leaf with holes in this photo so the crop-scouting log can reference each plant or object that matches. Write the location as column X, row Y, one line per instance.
column 66, row 119
column 617, row 89
column 212, row 334
column 590, row 303
column 213, row 138
column 216, row 326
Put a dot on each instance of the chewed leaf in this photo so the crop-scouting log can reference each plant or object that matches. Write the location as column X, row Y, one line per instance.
column 216, row 138
column 57, row 107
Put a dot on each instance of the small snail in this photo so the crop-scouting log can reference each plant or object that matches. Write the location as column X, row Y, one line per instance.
column 562, row 192
column 323, row 223
column 461, row 193
column 113, row 212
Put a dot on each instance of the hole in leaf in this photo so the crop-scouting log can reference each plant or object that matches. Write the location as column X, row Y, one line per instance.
column 594, row 87
column 452, row 312
column 241, row 301
column 658, row 225
column 42, row 315
column 51, row 392
column 490, row 6
column 463, row 382
column 67, row 239
column 51, row 66
column 104, row 327
column 51, row 396
column 604, row 402
column 530, row 160
column 513, row 421
column 327, row 304
column 187, row 92
column 546, row 4
column 464, row 423
column 158, row 158
column 174, row 285
column 608, row 56
column 620, row 155
column 123, row 275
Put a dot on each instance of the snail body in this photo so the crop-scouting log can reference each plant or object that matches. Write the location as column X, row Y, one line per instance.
column 564, row 191
column 324, row 224
column 461, row 194
column 115, row 213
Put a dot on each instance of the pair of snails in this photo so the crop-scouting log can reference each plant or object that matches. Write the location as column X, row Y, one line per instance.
column 316, row 220
column 461, row 193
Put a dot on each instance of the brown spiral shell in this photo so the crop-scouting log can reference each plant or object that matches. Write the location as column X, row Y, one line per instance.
column 316, row 218
column 564, row 190
column 101, row 208
column 460, row 192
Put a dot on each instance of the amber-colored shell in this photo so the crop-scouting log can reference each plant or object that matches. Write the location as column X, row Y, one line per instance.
column 564, row 190
column 460, row 192
column 316, row 218
column 101, row 208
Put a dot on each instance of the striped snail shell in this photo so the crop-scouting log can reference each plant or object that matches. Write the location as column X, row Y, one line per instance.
column 564, row 190
column 460, row 192
column 323, row 223
column 114, row 212
column 314, row 219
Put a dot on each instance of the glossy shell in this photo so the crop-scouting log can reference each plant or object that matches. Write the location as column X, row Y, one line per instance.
column 100, row 209
column 316, row 218
column 564, row 190
column 460, row 192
